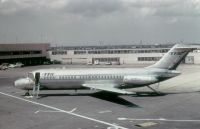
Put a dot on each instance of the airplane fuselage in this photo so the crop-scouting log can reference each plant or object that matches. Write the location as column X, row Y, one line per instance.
column 59, row 79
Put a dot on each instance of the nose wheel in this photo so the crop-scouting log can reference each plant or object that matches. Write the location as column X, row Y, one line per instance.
column 27, row 93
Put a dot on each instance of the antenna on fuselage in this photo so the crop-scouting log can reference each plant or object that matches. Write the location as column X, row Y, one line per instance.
column 36, row 88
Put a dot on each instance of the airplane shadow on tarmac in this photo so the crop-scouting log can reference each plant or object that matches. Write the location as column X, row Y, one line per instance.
column 107, row 96
column 115, row 98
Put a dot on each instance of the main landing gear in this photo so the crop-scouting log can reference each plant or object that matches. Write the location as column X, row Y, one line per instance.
column 155, row 91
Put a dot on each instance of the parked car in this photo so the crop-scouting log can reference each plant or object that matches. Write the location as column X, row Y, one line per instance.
column 11, row 66
column 48, row 62
column 19, row 64
column 4, row 66
column 56, row 62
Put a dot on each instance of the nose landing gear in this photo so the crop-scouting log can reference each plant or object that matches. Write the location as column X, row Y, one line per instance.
column 27, row 93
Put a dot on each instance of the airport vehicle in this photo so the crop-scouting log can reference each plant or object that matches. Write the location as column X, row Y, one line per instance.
column 11, row 66
column 19, row 64
column 107, row 79
column 89, row 63
column 4, row 66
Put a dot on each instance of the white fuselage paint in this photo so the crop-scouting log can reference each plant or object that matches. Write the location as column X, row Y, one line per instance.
column 75, row 78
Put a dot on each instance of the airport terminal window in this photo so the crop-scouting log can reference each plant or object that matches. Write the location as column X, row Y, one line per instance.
column 35, row 52
column 113, row 76
column 106, row 59
column 26, row 52
column 79, row 52
column 148, row 58
column 5, row 53
column 59, row 52
column 127, row 51
column 19, row 53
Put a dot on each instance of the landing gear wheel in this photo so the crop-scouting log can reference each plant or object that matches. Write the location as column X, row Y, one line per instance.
column 27, row 93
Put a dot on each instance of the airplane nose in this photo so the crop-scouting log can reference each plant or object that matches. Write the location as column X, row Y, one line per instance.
column 24, row 83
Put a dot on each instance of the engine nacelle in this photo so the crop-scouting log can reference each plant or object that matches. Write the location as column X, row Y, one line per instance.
column 140, row 80
column 24, row 83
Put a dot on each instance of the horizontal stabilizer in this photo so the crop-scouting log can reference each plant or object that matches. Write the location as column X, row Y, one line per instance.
column 107, row 87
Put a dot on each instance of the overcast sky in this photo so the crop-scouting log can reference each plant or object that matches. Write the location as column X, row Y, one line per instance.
column 91, row 22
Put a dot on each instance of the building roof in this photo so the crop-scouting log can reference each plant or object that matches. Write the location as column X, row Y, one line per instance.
column 24, row 46
column 111, row 47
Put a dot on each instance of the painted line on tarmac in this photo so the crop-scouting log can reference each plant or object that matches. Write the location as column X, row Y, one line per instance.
column 160, row 119
column 106, row 111
column 64, row 111
column 45, row 111
column 74, row 109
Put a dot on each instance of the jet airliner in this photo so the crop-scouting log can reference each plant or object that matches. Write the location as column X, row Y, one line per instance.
column 115, row 80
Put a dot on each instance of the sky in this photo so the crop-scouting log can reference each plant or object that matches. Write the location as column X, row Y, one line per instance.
column 100, row 22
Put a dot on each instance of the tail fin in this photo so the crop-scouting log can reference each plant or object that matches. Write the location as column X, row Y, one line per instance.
column 173, row 57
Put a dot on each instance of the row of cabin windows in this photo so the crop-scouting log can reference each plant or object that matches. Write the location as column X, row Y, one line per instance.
column 83, row 77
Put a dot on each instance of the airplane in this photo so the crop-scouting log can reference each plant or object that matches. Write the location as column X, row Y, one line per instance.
column 115, row 80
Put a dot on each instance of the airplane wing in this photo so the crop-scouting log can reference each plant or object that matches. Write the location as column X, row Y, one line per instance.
column 107, row 87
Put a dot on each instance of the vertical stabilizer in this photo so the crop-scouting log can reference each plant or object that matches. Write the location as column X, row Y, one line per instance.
column 173, row 57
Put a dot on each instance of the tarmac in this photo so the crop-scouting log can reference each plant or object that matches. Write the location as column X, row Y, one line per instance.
column 177, row 108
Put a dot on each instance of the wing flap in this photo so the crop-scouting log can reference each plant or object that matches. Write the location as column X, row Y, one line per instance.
column 107, row 87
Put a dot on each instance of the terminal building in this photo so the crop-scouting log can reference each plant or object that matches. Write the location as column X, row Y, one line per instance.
column 26, row 53
column 120, row 54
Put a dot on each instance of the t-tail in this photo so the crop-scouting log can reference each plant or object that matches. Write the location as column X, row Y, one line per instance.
column 173, row 57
